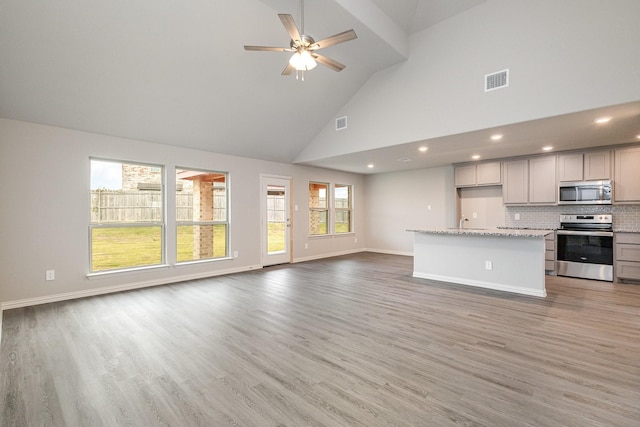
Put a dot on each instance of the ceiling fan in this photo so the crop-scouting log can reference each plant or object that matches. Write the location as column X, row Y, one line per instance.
column 305, row 47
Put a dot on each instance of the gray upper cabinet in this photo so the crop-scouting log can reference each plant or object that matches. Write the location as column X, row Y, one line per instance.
column 531, row 181
column 465, row 176
column 592, row 165
column 570, row 167
column 542, row 180
column 597, row 165
column 515, row 188
column 627, row 175
column 489, row 173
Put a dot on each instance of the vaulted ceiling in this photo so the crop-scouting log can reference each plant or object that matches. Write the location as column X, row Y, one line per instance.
column 175, row 72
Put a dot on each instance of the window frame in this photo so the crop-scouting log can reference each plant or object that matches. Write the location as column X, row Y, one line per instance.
column 225, row 222
column 348, row 209
column 161, row 223
column 326, row 210
column 332, row 210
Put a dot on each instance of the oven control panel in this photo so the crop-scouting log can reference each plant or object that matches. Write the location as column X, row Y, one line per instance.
column 586, row 219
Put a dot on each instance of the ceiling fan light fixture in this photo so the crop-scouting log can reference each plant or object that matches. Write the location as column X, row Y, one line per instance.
column 302, row 61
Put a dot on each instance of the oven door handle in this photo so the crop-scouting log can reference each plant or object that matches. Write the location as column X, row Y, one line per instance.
column 586, row 233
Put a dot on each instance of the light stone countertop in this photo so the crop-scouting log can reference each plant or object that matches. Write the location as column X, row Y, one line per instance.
column 626, row 230
column 495, row 232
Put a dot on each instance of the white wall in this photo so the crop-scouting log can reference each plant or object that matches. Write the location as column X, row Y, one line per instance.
column 44, row 210
column 399, row 201
column 563, row 56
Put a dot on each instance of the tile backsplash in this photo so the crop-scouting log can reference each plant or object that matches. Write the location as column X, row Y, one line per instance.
column 625, row 217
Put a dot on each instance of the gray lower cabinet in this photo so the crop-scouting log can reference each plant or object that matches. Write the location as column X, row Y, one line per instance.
column 627, row 256
column 550, row 253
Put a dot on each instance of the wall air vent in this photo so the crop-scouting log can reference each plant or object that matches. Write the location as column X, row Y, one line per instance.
column 496, row 80
column 341, row 123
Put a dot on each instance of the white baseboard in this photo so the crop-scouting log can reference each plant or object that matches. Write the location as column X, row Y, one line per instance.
column 482, row 284
column 329, row 255
column 388, row 252
column 7, row 305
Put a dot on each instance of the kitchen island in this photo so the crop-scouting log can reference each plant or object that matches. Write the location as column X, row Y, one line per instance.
column 510, row 260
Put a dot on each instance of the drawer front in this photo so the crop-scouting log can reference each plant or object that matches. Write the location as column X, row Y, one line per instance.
column 550, row 245
column 628, row 270
column 549, row 265
column 627, row 252
column 633, row 238
column 550, row 255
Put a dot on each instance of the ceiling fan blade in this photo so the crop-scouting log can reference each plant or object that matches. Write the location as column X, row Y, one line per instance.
column 290, row 26
column 288, row 69
column 342, row 37
column 328, row 62
column 269, row 48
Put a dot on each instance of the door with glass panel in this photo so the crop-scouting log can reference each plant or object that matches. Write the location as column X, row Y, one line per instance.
column 276, row 220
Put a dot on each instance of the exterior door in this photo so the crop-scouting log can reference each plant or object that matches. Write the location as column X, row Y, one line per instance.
column 276, row 219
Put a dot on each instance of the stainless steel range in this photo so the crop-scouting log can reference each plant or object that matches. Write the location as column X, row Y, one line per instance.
column 585, row 246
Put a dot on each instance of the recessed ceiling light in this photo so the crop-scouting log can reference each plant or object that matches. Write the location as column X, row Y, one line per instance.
column 496, row 137
column 475, row 156
column 638, row 136
column 423, row 149
column 370, row 165
column 547, row 148
column 602, row 120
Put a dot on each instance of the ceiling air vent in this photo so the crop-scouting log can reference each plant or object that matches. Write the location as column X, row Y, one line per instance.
column 341, row 123
column 496, row 80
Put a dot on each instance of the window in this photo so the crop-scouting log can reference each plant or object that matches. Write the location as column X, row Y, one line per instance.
column 321, row 209
column 342, row 208
column 202, row 221
column 318, row 208
column 127, row 224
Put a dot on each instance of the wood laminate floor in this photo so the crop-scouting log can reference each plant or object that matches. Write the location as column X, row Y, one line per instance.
column 352, row 340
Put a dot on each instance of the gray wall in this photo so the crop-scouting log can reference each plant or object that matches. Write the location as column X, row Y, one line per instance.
column 486, row 203
column 44, row 212
column 399, row 201
column 564, row 56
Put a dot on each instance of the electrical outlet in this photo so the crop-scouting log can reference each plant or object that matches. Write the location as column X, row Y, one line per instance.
column 235, row 254
column 356, row 239
column 306, row 246
column 50, row 275
column 475, row 215
column 488, row 265
column 517, row 217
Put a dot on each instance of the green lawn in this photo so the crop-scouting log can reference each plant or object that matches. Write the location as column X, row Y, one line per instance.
column 276, row 236
column 185, row 242
column 127, row 247
column 124, row 247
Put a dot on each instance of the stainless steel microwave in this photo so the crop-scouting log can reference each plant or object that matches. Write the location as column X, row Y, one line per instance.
column 584, row 193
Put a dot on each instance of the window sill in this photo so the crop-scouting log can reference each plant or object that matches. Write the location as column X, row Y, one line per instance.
column 202, row 261
column 124, row 271
column 327, row 236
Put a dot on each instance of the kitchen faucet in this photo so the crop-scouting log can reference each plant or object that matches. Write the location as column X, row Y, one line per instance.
column 462, row 220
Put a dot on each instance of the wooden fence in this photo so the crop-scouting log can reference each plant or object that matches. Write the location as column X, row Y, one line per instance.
column 141, row 206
